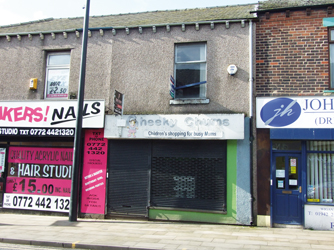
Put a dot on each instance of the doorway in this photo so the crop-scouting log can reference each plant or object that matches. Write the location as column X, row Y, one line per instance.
column 287, row 205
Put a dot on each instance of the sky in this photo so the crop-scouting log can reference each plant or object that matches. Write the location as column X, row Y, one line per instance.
column 18, row 11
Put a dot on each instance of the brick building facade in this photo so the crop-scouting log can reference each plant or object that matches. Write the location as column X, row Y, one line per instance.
column 292, row 52
column 294, row 154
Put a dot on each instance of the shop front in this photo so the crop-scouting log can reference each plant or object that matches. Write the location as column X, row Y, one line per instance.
column 179, row 167
column 301, row 159
column 36, row 152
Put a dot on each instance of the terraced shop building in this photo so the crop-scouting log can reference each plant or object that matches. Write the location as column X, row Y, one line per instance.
column 294, row 89
column 180, row 148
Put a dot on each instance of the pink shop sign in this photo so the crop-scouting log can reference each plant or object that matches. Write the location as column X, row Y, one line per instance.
column 94, row 172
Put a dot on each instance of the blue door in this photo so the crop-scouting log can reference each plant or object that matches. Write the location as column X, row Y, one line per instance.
column 287, row 188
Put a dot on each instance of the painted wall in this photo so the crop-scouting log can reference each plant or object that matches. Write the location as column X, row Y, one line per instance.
column 138, row 65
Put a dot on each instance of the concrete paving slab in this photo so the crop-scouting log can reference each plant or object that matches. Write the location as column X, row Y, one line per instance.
column 139, row 235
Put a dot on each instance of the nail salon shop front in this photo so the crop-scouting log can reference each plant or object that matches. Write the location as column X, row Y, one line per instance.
column 301, row 133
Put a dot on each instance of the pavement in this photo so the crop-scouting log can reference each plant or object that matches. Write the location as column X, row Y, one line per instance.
column 121, row 234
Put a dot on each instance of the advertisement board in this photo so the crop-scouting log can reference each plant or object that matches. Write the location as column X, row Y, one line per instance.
column 48, row 118
column 39, row 178
column 94, row 172
column 319, row 217
column 206, row 127
column 295, row 112
column 118, row 102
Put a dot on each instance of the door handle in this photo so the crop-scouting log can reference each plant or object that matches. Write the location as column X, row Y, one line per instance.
column 300, row 189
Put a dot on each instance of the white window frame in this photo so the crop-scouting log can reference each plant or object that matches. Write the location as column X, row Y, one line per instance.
column 62, row 91
column 202, row 94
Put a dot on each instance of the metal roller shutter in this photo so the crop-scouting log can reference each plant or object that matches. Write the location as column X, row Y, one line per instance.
column 189, row 175
column 128, row 168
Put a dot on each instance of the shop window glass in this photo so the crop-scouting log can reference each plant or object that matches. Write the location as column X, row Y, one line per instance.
column 320, row 171
column 189, row 68
column 57, row 75
column 287, row 145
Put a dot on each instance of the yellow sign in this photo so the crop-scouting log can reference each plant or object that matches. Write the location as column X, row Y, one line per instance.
column 293, row 170
column 313, row 200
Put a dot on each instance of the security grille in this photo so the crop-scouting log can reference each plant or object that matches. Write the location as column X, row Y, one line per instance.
column 184, row 175
column 190, row 182
column 128, row 167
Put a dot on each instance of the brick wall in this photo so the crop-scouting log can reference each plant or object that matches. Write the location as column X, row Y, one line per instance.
column 292, row 54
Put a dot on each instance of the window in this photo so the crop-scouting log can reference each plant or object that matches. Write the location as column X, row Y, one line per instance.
column 189, row 68
column 320, row 171
column 331, row 57
column 57, row 75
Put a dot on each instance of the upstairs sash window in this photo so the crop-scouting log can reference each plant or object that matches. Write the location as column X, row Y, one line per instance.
column 189, row 68
column 57, row 76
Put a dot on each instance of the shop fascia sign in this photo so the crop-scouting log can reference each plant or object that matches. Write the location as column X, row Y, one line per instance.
column 48, row 117
column 295, row 112
column 181, row 127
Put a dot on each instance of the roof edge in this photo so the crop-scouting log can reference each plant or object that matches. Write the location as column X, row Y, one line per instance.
column 29, row 22
column 170, row 10
column 130, row 27
column 318, row 6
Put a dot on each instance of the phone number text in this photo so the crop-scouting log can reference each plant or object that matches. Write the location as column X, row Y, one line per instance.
column 44, row 132
column 37, row 202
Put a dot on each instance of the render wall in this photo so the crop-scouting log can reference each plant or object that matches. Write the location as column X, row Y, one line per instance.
column 138, row 65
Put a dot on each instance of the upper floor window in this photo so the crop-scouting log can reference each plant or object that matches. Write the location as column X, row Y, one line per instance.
column 57, row 75
column 331, row 57
column 190, row 68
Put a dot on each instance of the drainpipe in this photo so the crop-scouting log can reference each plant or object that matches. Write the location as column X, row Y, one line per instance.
column 251, row 137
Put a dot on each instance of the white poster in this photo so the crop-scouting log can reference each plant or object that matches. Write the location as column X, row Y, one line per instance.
column 2, row 159
column 57, row 83
column 295, row 112
column 280, row 173
column 206, row 127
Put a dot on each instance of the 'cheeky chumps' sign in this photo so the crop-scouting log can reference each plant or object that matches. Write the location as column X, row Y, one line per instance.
column 205, row 127
column 295, row 112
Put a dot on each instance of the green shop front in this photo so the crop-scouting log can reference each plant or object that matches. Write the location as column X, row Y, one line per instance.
column 179, row 167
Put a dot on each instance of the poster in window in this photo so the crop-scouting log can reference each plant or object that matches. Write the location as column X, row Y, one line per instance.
column 57, row 83
column 280, row 173
column 39, row 178
column 293, row 182
column 280, row 184
column 293, row 170
column 293, row 162
column 2, row 159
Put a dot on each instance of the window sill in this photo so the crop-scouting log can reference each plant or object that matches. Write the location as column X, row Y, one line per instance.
column 329, row 91
column 189, row 101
